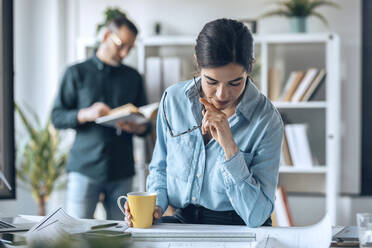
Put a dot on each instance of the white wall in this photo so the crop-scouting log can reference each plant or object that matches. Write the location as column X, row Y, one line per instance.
column 45, row 40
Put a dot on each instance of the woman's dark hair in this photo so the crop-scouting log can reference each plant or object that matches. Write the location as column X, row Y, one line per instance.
column 224, row 41
column 117, row 23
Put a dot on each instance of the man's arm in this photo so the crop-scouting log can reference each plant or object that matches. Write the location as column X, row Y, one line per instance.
column 65, row 111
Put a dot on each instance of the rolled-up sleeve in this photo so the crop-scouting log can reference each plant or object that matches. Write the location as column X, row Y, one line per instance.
column 251, row 179
column 157, row 178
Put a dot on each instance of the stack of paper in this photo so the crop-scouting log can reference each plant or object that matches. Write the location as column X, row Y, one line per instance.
column 193, row 235
column 56, row 226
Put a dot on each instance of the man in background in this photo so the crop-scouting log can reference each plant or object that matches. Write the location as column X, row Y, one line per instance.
column 101, row 159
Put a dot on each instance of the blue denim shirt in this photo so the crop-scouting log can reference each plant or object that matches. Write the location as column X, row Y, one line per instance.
column 185, row 171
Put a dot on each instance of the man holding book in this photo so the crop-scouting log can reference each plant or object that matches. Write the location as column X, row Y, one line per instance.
column 101, row 159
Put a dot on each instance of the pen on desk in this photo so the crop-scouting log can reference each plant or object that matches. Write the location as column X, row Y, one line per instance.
column 103, row 226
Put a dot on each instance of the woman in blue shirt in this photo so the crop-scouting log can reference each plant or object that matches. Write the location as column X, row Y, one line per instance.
column 216, row 157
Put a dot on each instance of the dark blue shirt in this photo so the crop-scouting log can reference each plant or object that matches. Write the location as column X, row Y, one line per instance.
column 98, row 151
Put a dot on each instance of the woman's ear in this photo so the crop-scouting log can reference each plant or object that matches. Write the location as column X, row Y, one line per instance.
column 197, row 68
column 196, row 61
column 250, row 67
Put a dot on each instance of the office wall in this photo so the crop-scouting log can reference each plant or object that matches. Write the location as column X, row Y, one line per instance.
column 45, row 41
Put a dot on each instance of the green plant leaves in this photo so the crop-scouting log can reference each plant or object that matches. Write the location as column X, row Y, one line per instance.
column 42, row 163
column 110, row 14
column 300, row 8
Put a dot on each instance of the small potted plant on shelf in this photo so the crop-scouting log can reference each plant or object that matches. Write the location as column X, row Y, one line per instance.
column 42, row 163
column 298, row 11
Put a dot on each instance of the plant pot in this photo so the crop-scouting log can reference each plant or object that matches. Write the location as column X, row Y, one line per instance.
column 297, row 24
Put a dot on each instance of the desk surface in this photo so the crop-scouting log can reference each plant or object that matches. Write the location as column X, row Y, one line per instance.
column 177, row 242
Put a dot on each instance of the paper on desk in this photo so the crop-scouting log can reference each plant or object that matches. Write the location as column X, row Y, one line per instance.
column 318, row 235
column 55, row 226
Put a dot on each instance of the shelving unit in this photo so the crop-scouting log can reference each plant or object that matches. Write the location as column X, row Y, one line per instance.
column 323, row 53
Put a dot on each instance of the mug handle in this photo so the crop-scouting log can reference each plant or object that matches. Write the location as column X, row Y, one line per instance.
column 119, row 203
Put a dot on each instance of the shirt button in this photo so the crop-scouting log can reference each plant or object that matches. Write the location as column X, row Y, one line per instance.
column 193, row 199
column 198, row 175
column 224, row 174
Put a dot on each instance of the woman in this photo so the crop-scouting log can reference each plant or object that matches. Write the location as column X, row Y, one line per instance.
column 217, row 153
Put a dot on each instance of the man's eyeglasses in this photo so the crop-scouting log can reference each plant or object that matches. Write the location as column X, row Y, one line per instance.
column 168, row 125
column 117, row 41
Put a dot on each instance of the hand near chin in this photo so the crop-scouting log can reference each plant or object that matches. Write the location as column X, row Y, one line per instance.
column 216, row 123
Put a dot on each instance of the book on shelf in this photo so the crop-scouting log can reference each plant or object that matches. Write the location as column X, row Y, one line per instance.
column 171, row 71
column 287, row 85
column 298, row 143
column 274, row 84
column 281, row 215
column 313, row 86
column 304, row 84
column 153, row 79
column 130, row 113
column 160, row 73
column 287, row 160
column 291, row 85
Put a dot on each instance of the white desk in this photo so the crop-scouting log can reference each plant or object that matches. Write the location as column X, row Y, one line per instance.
column 222, row 239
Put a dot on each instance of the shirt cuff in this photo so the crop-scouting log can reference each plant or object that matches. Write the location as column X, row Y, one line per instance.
column 235, row 167
column 72, row 118
column 162, row 200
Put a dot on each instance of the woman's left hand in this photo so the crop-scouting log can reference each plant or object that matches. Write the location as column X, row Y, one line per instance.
column 216, row 123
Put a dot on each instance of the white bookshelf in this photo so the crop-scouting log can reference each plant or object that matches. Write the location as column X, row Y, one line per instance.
column 326, row 52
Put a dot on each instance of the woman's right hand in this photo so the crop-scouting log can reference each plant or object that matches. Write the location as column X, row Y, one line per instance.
column 128, row 216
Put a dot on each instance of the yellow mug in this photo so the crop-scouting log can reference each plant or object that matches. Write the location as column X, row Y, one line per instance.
column 142, row 206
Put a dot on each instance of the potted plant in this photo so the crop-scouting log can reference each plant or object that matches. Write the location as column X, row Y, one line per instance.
column 42, row 163
column 110, row 14
column 298, row 11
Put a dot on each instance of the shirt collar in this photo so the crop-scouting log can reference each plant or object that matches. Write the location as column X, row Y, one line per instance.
column 100, row 65
column 247, row 104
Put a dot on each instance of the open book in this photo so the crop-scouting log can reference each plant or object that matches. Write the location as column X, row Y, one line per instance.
column 130, row 113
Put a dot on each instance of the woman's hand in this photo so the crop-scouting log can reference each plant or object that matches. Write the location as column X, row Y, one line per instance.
column 216, row 123
column 128, row 216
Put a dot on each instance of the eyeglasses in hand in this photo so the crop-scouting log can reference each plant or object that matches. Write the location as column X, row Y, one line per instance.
column 172, row 134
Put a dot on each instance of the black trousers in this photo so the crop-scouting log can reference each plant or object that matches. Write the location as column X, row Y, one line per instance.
column 193, row 214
